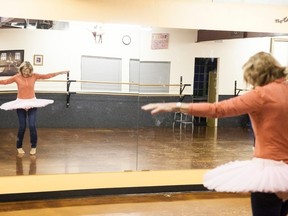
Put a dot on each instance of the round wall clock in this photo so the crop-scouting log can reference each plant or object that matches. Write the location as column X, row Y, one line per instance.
column 126, row 39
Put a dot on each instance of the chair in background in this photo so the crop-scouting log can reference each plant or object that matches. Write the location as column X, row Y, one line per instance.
column 182, row 119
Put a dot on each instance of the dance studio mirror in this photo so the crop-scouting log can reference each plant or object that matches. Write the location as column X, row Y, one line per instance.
column 96, row 123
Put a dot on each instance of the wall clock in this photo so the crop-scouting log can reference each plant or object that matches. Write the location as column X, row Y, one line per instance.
column 126, row 39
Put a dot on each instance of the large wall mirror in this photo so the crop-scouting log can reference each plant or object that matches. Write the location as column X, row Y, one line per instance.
column 96, row 124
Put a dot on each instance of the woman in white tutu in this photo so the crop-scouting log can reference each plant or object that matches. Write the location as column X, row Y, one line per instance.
column 266, row 175
column 26, row 103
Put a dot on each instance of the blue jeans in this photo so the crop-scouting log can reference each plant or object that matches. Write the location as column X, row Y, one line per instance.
column 22, row 117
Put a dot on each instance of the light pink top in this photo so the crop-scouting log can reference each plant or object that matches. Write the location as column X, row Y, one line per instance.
column 267, row 107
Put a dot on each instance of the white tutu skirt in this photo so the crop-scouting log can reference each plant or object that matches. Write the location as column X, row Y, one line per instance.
column 25, row 104
column 256, row 175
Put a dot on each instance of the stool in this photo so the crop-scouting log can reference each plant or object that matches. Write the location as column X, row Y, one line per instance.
column 183, row 119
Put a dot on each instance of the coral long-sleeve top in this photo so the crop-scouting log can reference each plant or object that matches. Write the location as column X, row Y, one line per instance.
column 26, row 85
column 267, row 107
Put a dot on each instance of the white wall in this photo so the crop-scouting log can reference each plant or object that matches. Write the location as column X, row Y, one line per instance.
column 183, row 14
column 51, row 44
column 62, row 50
column 279, row 48
column 232, row 54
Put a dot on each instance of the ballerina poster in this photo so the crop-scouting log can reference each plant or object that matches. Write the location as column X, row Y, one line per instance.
column 10, row 60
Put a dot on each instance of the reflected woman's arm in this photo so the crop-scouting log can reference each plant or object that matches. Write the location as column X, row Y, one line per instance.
column 156, row 108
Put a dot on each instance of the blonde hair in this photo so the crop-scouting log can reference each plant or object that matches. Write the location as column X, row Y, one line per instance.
column 25, row 65
column 262, row 68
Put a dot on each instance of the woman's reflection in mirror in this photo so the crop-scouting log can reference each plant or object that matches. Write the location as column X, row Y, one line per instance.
column 26, row 103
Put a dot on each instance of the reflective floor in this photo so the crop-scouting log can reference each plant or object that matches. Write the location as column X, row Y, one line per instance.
column 167, row 204
column 82, row 150
column 99, row 150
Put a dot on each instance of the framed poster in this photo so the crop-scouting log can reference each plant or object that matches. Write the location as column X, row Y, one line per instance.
column 10, row 60
column 38, row 60
column 160, row 41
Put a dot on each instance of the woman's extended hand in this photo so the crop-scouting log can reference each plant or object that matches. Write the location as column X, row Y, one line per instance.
column 159, row 107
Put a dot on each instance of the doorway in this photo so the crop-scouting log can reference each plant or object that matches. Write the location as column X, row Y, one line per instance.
column 205, row 86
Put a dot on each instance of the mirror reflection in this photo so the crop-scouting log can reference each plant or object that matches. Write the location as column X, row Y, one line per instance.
column 95, row 123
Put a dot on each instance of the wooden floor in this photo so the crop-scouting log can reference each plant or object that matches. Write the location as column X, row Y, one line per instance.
column 164, row 204
column 85, row 150
column 67, row 150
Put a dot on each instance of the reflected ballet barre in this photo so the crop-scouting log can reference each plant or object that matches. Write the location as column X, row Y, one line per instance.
column 68, row 92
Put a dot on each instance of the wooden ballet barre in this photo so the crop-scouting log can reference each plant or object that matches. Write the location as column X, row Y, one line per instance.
column 8, row 92
column 113, row 83
column 105, row 93
column 163, row 85
column 54, row 92
column 126, row 83
column 100, row 82
column 89, row 81
column 68, row 83
column 51, row 80
column 36, row 91
column 74, row 92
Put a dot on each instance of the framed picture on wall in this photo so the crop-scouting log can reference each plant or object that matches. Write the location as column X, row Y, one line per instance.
column 38, row 60
column 10, row 60
column 160, row 41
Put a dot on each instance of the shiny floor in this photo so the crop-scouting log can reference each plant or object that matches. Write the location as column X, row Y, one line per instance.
column 164, row 204
column 85, row 150
column 65, row 150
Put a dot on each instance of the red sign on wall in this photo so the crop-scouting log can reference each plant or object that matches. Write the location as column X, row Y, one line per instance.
column 160, row 41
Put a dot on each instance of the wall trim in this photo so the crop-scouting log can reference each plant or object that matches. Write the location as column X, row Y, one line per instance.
column 98, row 192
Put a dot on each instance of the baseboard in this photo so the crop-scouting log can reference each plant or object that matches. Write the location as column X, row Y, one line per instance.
column 98, row 192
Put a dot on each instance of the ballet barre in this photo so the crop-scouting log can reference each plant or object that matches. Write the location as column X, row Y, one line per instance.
column 103, row 82
column 69, row 81
column 182, row 87
column 237, row 90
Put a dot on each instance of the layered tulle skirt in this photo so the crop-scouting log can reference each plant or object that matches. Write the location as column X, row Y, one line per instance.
column 26, row 104
column 256, row 175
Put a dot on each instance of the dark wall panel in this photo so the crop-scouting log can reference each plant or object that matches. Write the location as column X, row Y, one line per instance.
column 103, row 111
column 90, row 110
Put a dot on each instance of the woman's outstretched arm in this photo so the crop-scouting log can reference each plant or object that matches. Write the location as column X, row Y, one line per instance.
column 50, row 75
